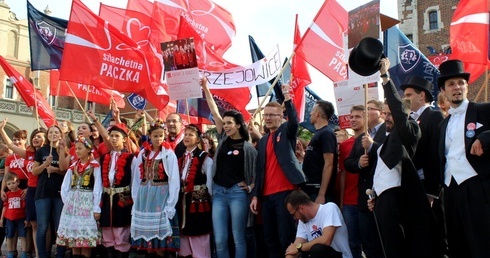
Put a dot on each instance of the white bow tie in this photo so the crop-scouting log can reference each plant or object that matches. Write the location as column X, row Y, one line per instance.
column 454, row 111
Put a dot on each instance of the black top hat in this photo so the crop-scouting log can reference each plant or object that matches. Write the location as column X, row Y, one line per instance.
column 451, row 69
column 419, row 84
column 364, row 58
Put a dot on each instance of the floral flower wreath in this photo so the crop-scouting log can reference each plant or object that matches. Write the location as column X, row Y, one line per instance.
column 158, row 122
column 85, row 141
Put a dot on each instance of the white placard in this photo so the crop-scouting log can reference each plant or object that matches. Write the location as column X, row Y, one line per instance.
column 183, row 84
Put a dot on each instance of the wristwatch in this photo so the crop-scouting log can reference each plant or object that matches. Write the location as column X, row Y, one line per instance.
column 299, row 246
column 385, row 75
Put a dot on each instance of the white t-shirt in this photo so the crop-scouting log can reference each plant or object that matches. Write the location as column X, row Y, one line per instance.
column 328, row 215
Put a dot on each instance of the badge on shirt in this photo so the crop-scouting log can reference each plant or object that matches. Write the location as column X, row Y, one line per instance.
column 471, row 127
column 470, row 133
column 278, row 138
column 235, row 152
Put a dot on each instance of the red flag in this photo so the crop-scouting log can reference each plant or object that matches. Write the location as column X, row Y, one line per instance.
column 96, row 53
column 471, row 18
column 212, row 22
column 29, row 94
column 95, row 94
column 138, row 26
column 142, row 6
column 322, row 45
column 300, row 76
column 208, row 59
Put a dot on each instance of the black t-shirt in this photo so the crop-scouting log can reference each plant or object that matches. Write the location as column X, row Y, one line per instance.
column 323, row 141
column 230, row 166
column 48, row 186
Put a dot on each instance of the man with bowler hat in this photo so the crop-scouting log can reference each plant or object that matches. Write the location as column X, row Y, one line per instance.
column 464, row 151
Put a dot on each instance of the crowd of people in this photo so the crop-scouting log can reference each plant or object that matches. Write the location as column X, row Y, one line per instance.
column 260, row 191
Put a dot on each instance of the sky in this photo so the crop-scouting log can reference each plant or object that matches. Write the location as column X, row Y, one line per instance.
column 269, row 22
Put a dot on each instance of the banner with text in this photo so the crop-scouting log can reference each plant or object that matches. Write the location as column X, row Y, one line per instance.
column 348, row 94
column 262, row 71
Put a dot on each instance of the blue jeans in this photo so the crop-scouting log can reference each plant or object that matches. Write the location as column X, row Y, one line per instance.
column 45, row 208
column 351, row 218
column 230, row 203
column 279, row 225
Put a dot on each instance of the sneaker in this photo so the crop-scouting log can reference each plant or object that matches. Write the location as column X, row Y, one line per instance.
column 10, row 255
column 24, row 255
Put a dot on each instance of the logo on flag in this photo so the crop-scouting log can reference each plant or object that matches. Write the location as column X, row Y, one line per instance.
column 136, row 101
column 409, row 57
column 46, row 32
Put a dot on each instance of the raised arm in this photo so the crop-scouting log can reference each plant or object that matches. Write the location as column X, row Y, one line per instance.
column 218, row 120
column 102, row 130
column 18, row 150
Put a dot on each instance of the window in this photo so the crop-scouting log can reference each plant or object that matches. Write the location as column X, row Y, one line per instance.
column 9, row 89
column 433, row 23
column 12, row 44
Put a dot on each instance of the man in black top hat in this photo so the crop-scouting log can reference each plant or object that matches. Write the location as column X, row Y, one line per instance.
column 418, row 90
column 464, row 150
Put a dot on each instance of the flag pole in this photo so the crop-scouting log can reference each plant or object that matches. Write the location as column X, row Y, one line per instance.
column 278, row 76
column 35, row 106
column 86, row 100
column 187, row 111
column 366, row 113
column 80, row 104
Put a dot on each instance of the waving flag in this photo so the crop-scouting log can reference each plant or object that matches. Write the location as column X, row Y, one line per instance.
column 407, row 61
column 142, row 6
column 301, row 76
column 322, row 45
column 212, row 22
column 96, row 53
column 264, row 87
column 471, row 18
column 30, row 95
column 46, row 39
column 83, row 91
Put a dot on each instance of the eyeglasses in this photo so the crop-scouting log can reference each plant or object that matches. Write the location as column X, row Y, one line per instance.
column 386, row 114
column 172, row 121
column 294, row 212
column 372, row 108
column 272, row 115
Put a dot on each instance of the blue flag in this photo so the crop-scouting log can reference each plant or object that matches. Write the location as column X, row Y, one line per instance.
column 310, row 100
column 407, row 61
column 46, row 38
column 264, row 87
column 107, row 119
column 136, row 101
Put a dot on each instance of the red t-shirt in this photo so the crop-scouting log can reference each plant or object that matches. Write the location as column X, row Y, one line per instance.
column 29, row 163
column 351, row 179
column 15, row 207
column 16, row 165
column 275, row 180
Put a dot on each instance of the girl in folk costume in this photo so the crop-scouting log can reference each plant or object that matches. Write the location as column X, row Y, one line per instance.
column 116, row 197
column 155, row 189
column 81, row 192
column 36, row 141
column 194, row 206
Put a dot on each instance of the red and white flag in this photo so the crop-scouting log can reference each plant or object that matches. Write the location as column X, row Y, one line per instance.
column 208, row 59
column 212, row 22
column 96, row 53
column 142, row 6
column 300, row 76
column 471, row 18
column 29, row 94
column 138, row 26
column 83, row 91
column 322, row 45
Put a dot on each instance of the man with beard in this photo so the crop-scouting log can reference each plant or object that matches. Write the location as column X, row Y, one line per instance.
column 321, row 229
column 464, row 151
column 174, row 125
column 402, row 210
